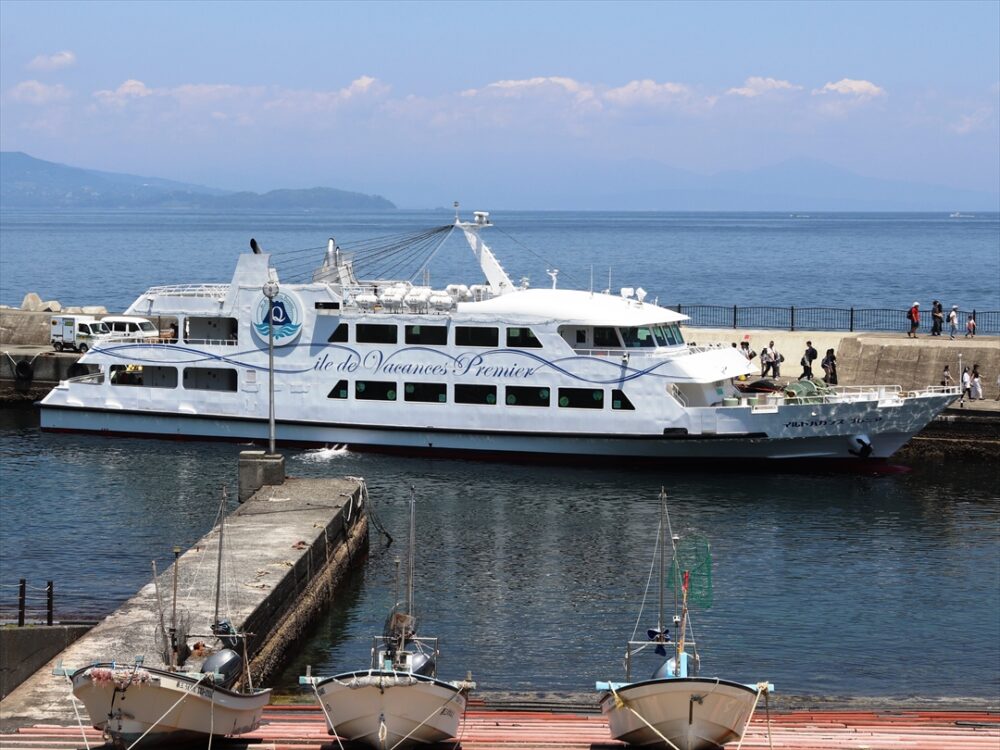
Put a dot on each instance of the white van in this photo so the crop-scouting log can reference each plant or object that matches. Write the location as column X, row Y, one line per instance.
column 78, row 332
column 130, row 328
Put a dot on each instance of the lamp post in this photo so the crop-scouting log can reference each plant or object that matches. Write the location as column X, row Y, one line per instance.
column 270, row 290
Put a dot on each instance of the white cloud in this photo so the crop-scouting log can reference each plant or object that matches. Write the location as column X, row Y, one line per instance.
column 756, row 86
column 978, row 120
column 862, row 90
column 365, row 88
column 35, row 92
column 130, row 89
column 647, row 92
column 64, row 59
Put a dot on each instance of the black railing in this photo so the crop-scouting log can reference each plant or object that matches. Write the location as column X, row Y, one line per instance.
column 828, row 318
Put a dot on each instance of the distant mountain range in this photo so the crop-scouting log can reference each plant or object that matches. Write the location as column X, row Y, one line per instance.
column 27, row 182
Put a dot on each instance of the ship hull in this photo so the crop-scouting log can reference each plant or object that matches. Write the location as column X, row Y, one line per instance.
column 692, row 713
column 167, row 708
column 391, row 710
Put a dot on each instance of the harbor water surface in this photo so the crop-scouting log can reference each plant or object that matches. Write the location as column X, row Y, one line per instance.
column 828, row 585
column 532, row 576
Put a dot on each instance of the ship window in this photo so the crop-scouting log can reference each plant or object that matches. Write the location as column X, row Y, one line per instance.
column 211, row 331
column 150, row 376
column 339, row 390
column 581, row 398
column 339, row 334
column 581, row 335
column 430, row 335
column 475, row 394
column 620, row 401
column 430, row 393
column 526, row 395
column 606, row 338
column 210, row 378
column 327, row 305
column 375, row 390
column 476, row 336
column 370, row 333
column 523, row 338
column 637, row 338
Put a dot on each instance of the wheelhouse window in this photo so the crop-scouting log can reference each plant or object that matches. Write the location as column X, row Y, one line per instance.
column 339, row 334
column 526, row 395
column 198, row 330
column 606, row 338
column 371, row 333
column 476, row 336
column 581, row 398
column 210, row 378
column 148, row 376
column 639, row 337
column 475, row 394
column 620, row 402
column 339, row 390
column 427, row 335
column 428, row 393
column 375, row 390
column 523, row 338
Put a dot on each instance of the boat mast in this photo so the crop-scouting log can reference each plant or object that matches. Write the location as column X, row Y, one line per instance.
column 663, row 555
column 409, row 567
column 173, row 616
column 498, row 280
column 218, row 567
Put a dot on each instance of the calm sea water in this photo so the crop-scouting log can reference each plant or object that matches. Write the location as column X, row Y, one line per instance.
column 835, row 260
column 532, row 576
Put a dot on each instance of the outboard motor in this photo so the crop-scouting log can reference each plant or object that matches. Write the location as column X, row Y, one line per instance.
column 226, row 662
column 422, row 664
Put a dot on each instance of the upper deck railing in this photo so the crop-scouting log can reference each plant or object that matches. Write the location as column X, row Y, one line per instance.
column 827, row 318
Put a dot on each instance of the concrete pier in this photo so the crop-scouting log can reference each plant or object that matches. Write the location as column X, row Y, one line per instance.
column 285, row 550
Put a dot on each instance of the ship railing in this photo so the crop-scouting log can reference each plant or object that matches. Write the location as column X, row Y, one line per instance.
column 637, row 647
column 212, row 342
column 212, row 291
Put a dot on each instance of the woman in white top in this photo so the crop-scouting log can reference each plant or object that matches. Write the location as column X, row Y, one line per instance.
column 953, row 321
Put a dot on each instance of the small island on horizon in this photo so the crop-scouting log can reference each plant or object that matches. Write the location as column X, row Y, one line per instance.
column 27, row 182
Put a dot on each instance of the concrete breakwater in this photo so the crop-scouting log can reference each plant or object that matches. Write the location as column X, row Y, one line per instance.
column 286, row 550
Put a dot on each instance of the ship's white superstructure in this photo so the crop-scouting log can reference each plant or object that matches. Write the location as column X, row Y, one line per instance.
column 495, row 368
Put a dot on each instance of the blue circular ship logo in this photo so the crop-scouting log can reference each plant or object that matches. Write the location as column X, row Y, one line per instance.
column 285, row 318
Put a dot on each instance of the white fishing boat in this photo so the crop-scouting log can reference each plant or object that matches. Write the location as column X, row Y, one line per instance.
column 676, row 708
column 398, row 702
column 495, row 370
column 135, row 705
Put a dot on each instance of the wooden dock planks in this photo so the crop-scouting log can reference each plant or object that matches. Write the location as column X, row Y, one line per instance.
column 304, row 728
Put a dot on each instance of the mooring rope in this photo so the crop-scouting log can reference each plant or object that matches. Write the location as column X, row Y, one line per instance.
column 76, row 711
column 622, row 703
column 329, row 719
column 429, row 717
column 155, row 723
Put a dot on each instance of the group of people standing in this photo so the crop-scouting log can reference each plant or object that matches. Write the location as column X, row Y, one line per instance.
column 938, row 320
column 771, row 359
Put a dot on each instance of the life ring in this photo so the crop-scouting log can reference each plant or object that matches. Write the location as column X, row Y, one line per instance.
column 24, row 371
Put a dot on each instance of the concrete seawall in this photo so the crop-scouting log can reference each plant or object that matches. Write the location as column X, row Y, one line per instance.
column 23, row 651
column 287, row 548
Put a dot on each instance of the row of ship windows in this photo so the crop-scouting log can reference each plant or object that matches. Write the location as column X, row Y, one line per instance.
column 375, row 333
column 224, row 379
column 513, row 395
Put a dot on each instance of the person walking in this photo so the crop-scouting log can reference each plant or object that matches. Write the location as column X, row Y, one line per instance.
column 807, row 361
column 976, row 385
column 829, row 365
column 776, row 359
column 970, row 327
column 937, row 318
column 953, row 321
column 966, row 386
column 914, row 317
column 765, row 361
column 946, row 378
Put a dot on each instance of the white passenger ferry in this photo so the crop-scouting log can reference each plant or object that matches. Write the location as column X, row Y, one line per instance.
column 494, row 369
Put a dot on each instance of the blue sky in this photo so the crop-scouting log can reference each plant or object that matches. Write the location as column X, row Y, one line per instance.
column 425, row 101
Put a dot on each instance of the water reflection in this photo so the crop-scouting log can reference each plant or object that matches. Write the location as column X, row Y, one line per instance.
column 533, row 576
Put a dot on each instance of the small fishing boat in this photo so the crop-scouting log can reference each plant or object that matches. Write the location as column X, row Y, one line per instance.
column 398, row 702
column 138, row 705
column 676, row 708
